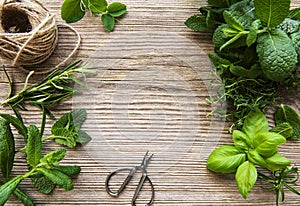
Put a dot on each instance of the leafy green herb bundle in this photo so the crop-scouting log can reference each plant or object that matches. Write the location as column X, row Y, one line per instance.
column 74, row 10
column 256, row 50
column 44, row 170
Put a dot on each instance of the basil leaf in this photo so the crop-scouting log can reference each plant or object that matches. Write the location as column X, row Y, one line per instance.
column 58, row 178
column 246, row 177
column 232, row 21
column 7, row 148
column 82, row 137
column 25, row 199
column 272, row 12
column 96, row 6
column 108, row 21
column 241, row 140
column 18, row 124
column 289, row 115
column 72, row 11
column 284, row 129
column 33, row 146
column 43, row 184
column 53, row 158
column 70, row 171
column 256, row 158
column 252, row 36
column 225, row 159
column 266, row 143
column 116, row 9
column 255, row 122
column 197, row 22
column 277, row 162
column 8, row 188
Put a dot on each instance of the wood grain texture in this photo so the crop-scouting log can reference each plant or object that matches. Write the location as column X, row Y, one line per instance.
column 149, row 93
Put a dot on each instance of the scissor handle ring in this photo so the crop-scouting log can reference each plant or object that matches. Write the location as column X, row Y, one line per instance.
column 108, row 190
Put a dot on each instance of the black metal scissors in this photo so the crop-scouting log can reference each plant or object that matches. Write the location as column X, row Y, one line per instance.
column 132, row 171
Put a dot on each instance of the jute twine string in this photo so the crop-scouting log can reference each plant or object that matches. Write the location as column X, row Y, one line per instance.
column 29, row 48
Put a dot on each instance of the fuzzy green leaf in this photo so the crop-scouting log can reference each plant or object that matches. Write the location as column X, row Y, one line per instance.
column 7, row 149
column 225, row 159
column 96, row 6
column 72, row 11
column 58, row 178
column 284, row 129
column 232, row 21
column 108, row 21
column 197, row 22
column 287, row 114
column 8, row 188
column 277, row 162
column 246, row 177
column 33, row 146
column 18, row 124
column 43, row 184
column 266, row 143
column 272, row 12
column 116, row 9
column 25, row 199
column 252, row 36
column 255, row 122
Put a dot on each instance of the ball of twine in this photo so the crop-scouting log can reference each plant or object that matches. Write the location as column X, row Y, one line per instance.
column 28, row 32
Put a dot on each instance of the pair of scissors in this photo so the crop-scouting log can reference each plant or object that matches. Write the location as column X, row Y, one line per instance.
column 132, row 171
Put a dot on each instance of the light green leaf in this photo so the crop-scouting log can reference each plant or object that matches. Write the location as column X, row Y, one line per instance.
column 108, row 21
column 116, row 9
column 18, row 124
column 246, row 177
column 272, row 12
column 252, row 36
column 255, row 158
column 197, row 22
column 284, row 129
column 241, row 140
column 53, row 158
column 255, row 122
column 232, row 21
column 7, row 148
column 266, row 143
column 287, row 114
column 225, row 159
column 25, row 199
column 277, row 162
column 72, row 11
column 33, row 146
column 58, row 178
column 8, row 188
column 96, row 6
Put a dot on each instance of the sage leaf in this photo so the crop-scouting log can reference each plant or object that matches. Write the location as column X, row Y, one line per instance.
column 17, row 123
column 53, row 158
column 8, row 188
column 232, row 21
column 284, row 129
column 287, row 114
column 96, row 6
column 225, row 159
column 197, row 22
column 116, row 9
column 252, row 36
column 108, row 21
column 241, row 140
column 266, row 143
column 272, row 12
column 25, row 199
column 255, row 158
column 277, row 162
column 33, row 146
column 72, row 11
column 58, row 178
column 43, row 184
column 255, row 122
column 246, row 177
column 7, row 148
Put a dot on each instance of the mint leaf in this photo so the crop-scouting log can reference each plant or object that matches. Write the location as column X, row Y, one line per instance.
column 243, row 11
column 287, row 114
column 25, row 199
column 116, row 9
column 33, row 146
column 17, row 123
column 294, row 14
column 240, row 71
column 108, row 21
column 43, row 184
column 252, row 36
column 272, row 12
column 255, row 122
column 8, row 188
column 71, row 120
column 266, row 143
column 232, row 21
column 225, row 159
column 82, row 137
column 72, row 11
column 64, row 137
column 7, row 149
column 53, row 158
column 284, row 128
column 70, row 171
column 221, row 3
column 246, row 177
column 96, row 6
column 197, row 22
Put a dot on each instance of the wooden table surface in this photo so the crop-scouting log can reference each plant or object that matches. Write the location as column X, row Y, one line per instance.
column 153, row 79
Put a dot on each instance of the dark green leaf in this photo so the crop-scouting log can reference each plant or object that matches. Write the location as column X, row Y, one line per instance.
column 289, row 26
column 58, row 178
column 18, row 124
column 294, row 14
column 238, row 39
column 83, row 137
column 252, row 36
column 295, row 37
column 64, row 137
column 53, row 158
column 240, row 71
column 221, row 3
column 33, row 146
column 25, row 199
column 70, row 171
column 96, row 6
column 245, row 177
column 7, row 148
column 116, row 9
column 72, row 11
column 197, row 23
column 272, row 12
column 277, row 162
column 108, row 21
column 71, row 119
column 243, row 11
column 225, row 159
column 255, row 122
column 232, row 21
column 8, row 188
column 241, row 140
column 285, row 129
column 265, row 143
column 289, row 115
column 43, row 184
